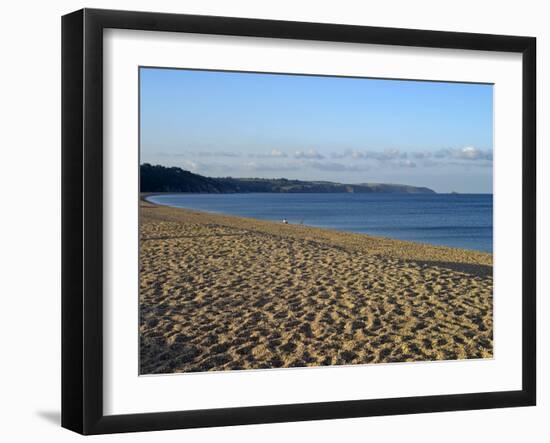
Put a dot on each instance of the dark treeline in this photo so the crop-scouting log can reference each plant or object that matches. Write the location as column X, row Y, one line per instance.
column 172, row 179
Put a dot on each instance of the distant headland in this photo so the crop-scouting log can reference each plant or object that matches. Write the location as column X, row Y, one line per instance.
column 157, row 178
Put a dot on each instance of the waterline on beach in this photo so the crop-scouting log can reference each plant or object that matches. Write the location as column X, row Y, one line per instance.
column 461, row 221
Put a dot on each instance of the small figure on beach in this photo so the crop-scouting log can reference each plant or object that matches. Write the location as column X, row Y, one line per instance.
column 285, row 222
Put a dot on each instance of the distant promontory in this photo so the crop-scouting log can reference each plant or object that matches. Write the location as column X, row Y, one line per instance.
column 159, row 178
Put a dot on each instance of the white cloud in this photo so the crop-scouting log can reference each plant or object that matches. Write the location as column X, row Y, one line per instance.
column 406, row 164
column 199, row 154
column 190, row 165
column 421, row 155
column 382, row 156
column 465, row 153
column 396, row 157
column 310, row 154
column 338, row 167
column 349, row 160
column 277, row 153
column 471, row 153
column 217, row 154
column 265, row 167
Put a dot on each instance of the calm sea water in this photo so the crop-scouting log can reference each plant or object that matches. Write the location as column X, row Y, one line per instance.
column 457, row 220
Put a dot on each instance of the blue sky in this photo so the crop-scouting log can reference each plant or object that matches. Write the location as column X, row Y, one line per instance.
column 348, row 130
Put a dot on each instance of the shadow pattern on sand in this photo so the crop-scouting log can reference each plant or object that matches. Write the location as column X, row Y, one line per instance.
column 473, row 269
column 222, row 297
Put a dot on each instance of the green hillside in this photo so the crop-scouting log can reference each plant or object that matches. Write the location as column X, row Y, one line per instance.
column 172, row 179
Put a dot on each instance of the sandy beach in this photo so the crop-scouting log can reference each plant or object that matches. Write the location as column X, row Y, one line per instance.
column 227, row 293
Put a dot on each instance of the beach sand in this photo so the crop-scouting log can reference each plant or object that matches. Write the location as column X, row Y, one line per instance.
column 220, row 293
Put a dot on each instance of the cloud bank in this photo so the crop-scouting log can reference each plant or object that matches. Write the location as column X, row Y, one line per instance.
column 349, row 160
column 310, row 154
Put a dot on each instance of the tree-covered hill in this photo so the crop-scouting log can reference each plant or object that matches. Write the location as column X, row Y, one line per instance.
column 172, row 179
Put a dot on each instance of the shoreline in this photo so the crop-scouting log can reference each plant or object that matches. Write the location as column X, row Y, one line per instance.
column 144, row 197
column 220, row 292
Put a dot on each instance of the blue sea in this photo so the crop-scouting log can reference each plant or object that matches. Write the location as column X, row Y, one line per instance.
column 456, row 220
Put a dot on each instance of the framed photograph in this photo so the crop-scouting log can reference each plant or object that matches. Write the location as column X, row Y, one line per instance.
column 268, row 221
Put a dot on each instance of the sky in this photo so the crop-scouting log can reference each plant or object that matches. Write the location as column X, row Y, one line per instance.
column 347, row 130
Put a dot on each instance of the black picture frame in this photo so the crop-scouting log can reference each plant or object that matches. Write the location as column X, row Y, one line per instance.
column 82, row 218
